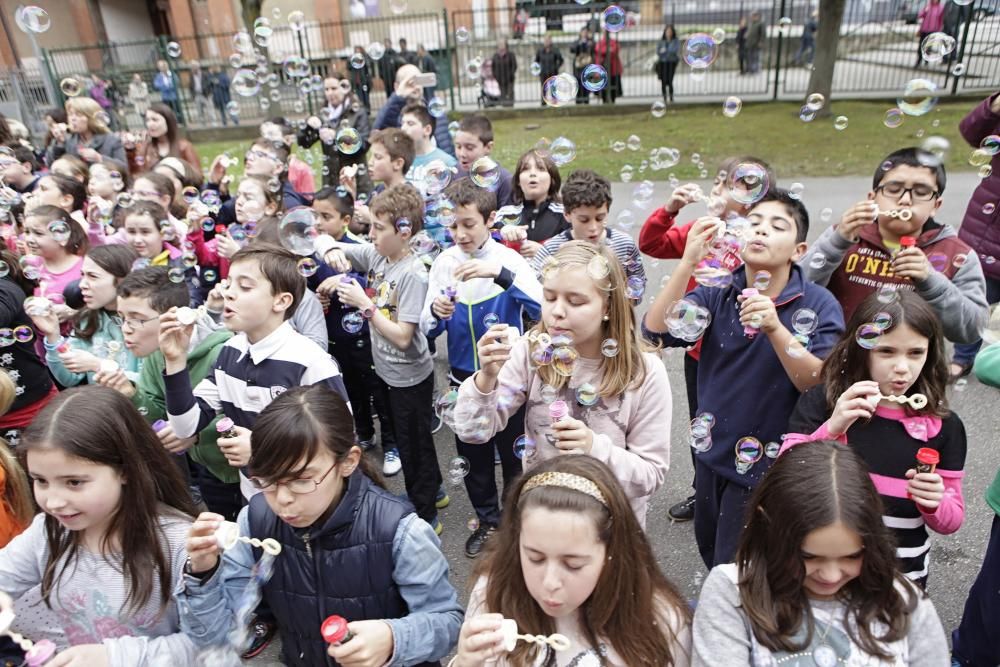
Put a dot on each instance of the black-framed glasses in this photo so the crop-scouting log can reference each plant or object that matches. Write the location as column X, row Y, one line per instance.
column 918, row 192
column 299, row 487
column 132, row 322
column 255, row 153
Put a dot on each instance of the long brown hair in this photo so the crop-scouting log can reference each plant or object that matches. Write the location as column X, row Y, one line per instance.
column 848, row 362
column 543, row 161
column 117, row 260
column 627, row 369
column 812, row 486
column 172, row 135
column 16, row 492
column 633, row 606
column 99, row 424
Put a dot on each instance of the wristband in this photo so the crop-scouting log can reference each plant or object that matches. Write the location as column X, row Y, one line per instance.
column 201, row 576
column 368, row 312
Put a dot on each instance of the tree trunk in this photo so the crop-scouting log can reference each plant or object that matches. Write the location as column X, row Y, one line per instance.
column 251, row 12
column 831, row 13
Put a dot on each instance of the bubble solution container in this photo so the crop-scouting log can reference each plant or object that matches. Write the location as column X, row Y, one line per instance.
column 335, row 630
column 907, row 242
column 558, row 410
column 159, row 425
column 927, row 459
column 749, row 331
column 226, row 428
column 63, row 347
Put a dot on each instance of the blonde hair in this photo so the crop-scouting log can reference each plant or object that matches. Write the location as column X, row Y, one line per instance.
column 627, row 369
column 90, row 109
column 16, row 490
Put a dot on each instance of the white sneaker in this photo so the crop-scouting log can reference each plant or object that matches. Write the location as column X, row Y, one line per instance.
column 391, row 465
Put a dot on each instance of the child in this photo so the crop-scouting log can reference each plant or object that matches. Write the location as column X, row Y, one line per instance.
column 96, row 337
column 419, row 124
column 264, row 158
column 352, row 348
column 265, row 358
column 343, row 111
column 616, row 393
column 752, row 368
column 18, row 167
column 143, row 296
column 390, row 157
column 52, row 235
column 146, row 230
column 473, row 285
column 814, row 580
column 586, row 198
column 662, row 238
column 864, row 253
column 474, row 140
column 571, row 558
column 905, row 353
column 300, row 174
column 975, row 640
column 399, row 348
column 96, row 568
column 536, row 197
column 319, row 489
column 158, row 188
column 16, row 506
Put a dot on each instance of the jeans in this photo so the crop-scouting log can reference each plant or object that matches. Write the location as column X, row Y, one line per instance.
column 965, row 353
column 975, row 641
column 410, row 409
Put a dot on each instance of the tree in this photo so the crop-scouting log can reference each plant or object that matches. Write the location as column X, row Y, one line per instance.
column 251, row 12
column 831, row 13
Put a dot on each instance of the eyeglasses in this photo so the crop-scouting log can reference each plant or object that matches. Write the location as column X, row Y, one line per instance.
column 254, row 153
column 132, row 322
column 918, row 192
column 299, row 487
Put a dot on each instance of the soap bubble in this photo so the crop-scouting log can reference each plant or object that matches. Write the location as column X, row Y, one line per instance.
column 246, row 83
column 594, row 78
column 173, row 49
column 609, row 348
column 70, row 86
column 587, row 395
column 458, row 469
column 32, row 19
column 893, row 118
column 840, row 123
column 700, row 50
column 561, row 89
column 59, row 231
column 548, row 394
column 633, row 143
column 535, row 69
column 749, row 450
column 524, row 448
column 296, row 21
column 563, row 360
column 936, row 46
column 988, row 208
column 353, row 322
column 635, row 287
column 817, row 261
column 613, row 18
column 761, row 280
column 462, row 34
column 815, row 101
column 485, row 173
column 804, row 321
column 807, row 114
column 919, row 96
column 4, row 269
column 719, row 35
column 357, row 60
column 297, row 231
column 437, row 107
column 490, row 319
column 732, row 106
column 747, row 183
column 658, row 109
column 882, row 320
column 868, row 335
column 887, row 292
column 23, row 334
column 348, row 141
column 562, row 151
column 375, row 50
column 795, row 190
column 176, row 275
column 307, row 266
column 687, row 320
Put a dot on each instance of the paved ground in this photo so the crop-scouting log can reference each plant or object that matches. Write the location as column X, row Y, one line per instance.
column 955, row 559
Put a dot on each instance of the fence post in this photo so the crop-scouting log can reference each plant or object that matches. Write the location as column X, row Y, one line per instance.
column 450, row 52
column 777, row 61
column 52, row 91
column 961, row 51
column 302, row 54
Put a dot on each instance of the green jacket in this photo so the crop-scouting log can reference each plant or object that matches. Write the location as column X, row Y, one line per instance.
column 988, row 371
column 151, row 395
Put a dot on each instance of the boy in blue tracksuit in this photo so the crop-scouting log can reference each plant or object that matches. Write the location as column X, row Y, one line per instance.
column 349, row 342
column 761, row 347
column 474, row 284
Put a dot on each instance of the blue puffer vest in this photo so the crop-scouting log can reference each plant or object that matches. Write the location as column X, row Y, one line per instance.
column 344, row 567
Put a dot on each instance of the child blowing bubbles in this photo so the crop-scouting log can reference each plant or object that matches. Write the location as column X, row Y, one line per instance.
column 890, row 350
column 319, row 490
column 571, row 558
column 619, row 390
column 814, row 580
column 105, row 571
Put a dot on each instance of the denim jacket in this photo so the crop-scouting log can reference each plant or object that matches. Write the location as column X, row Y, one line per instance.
column 428, row 632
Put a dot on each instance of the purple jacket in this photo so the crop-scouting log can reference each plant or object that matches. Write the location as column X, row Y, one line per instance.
column 982, row 230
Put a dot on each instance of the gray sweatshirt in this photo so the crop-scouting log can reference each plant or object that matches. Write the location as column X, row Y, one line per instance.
column 722, row 633
column 88, row 601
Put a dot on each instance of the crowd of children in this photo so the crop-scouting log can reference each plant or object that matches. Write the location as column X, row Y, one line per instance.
column 197, row 371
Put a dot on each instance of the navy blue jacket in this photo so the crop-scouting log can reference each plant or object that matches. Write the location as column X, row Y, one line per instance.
column 344, row 568
column 741, row 380
column 335, row 313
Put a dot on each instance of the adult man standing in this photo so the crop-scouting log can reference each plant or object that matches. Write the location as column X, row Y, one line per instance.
column 550, row 60
column 200, row 87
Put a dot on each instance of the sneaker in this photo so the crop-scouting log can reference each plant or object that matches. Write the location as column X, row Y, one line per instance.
column 682, row 511
column 474, row 545
column 441, row 500
column 496, row 456
column 438, row 527
column 391, row 465
column 368, row 444
column 436, row 424
column 263, row 632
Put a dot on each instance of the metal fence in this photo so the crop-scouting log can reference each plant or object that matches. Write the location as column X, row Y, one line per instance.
column 877, row 53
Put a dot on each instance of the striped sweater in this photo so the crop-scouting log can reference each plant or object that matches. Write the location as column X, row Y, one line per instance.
column 620, row 243
column 889, row 451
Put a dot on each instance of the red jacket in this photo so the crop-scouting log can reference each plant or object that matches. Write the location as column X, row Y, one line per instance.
column 614, row 67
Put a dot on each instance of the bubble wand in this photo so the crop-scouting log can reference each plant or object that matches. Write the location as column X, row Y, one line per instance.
column 903, row 214
column 36, row 653
column 227, row 535
column 916, row 401
column 508, row 628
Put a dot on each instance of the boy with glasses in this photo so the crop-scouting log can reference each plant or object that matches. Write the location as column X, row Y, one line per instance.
column 891, row 241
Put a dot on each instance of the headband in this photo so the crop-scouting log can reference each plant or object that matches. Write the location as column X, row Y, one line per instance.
column 567, row 481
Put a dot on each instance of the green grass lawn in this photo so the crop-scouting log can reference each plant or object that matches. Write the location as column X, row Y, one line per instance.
column 770, row 130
